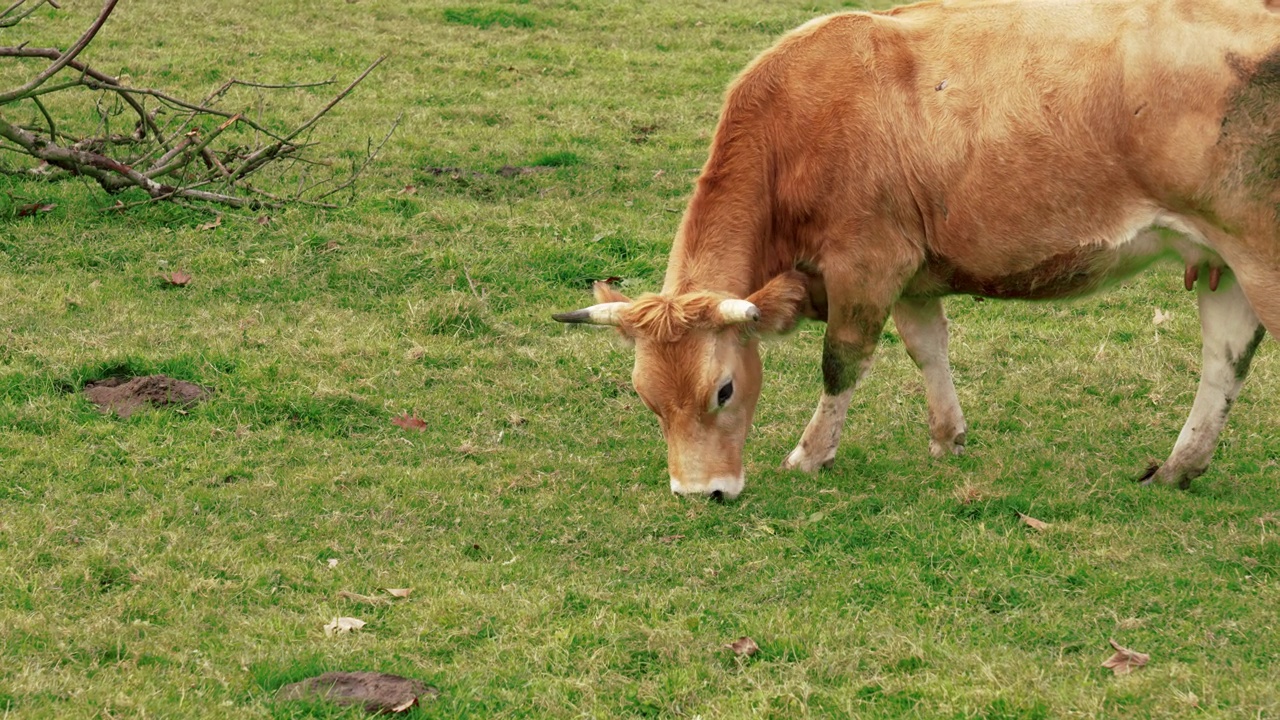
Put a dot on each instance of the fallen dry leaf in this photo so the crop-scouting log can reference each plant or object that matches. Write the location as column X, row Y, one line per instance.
column 744, row 647
column 177, row 278
column 399, row 592
column 341, row 625
column 35, row 209
column 1160, row 317
column 969, row 493
column 409, row 190
column 217, row 221
column 1125, row 660
column 670, row 538
column 410, row 422
column 1033, row 523
column 333, row 563
column 362, row 599
column 264, row 219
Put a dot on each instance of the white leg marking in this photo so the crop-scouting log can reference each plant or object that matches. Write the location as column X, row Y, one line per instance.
column 1230, row 332
column 923, row 327
column 817, row 447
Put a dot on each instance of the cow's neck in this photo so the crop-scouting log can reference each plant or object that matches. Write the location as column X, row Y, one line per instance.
column 725, row 242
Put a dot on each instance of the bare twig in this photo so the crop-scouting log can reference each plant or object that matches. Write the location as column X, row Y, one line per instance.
column 172, row 162
column 95, row 80
column 281, row 146
column 22, row 51
column 278, row 200
column 53, row 129
column 14, row 6
column 337, row 99
column 211, row 160
column 269, row 86
column 111, row 174
column 355, row 175
column 164, row 169
column 177, row 102
column 66, row 57
column 7, row 21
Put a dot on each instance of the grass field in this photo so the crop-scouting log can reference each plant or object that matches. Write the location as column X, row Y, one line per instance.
column 181, row 564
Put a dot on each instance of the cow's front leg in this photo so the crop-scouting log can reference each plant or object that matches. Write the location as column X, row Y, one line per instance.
column 1230, row 332
column 923, row 327
column 846, row 356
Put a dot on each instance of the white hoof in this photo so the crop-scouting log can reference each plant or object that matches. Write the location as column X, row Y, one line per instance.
column 799, row 459
column 945, row 449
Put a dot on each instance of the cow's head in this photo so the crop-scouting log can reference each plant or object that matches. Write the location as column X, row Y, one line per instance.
column 698, row 367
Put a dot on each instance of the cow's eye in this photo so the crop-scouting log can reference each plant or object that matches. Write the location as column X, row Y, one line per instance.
column 726, row 392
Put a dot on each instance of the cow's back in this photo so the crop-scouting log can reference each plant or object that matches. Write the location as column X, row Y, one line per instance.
column 974, row 126
column 982, row 134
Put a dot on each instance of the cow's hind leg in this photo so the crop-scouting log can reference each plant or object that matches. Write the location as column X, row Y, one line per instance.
column 1231, row 332
column 923, row 327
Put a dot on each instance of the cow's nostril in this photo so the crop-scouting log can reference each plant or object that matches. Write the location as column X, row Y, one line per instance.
column 717, row 495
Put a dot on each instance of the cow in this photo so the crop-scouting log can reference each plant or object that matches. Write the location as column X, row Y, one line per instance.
column 871, row 163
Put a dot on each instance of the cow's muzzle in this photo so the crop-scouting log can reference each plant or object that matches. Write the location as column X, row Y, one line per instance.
column 724, row 487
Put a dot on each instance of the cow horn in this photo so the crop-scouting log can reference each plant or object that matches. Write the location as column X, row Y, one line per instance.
column 609, row 313
column 734, row 311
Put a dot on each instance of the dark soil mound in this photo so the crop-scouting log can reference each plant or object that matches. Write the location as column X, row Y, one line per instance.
column 378, row 692
column 125, row 395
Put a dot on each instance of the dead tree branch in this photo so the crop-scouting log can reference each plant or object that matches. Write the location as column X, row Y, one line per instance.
column 8, row 18
column 181, row 159
column 64, row 58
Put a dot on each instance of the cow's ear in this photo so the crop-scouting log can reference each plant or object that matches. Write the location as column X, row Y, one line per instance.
column 605, row 293
column 781, row 302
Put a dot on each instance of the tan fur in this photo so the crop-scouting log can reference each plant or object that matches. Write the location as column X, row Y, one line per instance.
column 1007, row 148
column 780, row 302
column 667, row 319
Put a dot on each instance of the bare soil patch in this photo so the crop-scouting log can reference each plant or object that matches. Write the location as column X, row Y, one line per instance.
column 126, row 395
column 377, row 692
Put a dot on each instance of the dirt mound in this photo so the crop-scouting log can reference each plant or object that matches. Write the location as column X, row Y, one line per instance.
column 125, row 395
column 377, row 692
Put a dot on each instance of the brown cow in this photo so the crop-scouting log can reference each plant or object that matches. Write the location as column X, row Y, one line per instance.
column 871, row 163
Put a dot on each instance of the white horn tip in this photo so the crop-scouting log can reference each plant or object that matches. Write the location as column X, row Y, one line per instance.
column 739, row 311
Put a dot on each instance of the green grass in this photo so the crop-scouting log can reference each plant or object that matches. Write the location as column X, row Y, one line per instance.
column 177, row 564
column 484, row 18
